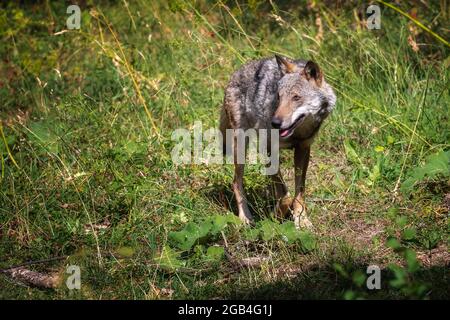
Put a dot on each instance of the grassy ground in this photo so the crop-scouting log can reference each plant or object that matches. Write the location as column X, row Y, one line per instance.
column 86, row 169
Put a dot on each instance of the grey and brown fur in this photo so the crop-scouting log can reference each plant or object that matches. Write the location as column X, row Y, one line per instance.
column 289, row 95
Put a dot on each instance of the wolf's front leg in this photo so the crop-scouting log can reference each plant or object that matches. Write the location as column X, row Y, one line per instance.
column 238, row 188
column 301, row 157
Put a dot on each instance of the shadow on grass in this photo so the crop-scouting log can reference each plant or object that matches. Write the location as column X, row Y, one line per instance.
column 323, row 282
column 261, row 199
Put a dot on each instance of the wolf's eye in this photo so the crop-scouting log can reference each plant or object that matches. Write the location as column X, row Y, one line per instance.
column 296, row 98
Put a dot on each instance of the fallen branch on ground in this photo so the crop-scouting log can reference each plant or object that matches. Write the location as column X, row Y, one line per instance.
column 33, row 278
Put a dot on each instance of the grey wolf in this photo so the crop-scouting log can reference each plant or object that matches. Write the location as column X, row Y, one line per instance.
column 278, row 93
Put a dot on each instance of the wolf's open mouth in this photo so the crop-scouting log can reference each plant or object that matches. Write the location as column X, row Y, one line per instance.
column 284, row 133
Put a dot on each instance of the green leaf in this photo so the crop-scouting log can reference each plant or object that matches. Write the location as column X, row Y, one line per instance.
column 393, row 243
column 435, row 165
column 390, row 139
column 269, row 230
column 169, row 260
column 194, row 233
column 44, row 136
column 288, row 232
column 349, row 295
column 431, row 240
column 215, row 253
column 251, row 234
column 359, row 278
column 340, row 270
column 379, row 149
column 233, row 219
column 189, row 236
column 126, row 252
column 218, row 223
column 411, row 260
column 375, row 173
column 392, row 212
column 307, row 240
column 409, row 234
column 401, row 221
column 399, row 276
column 351, row 154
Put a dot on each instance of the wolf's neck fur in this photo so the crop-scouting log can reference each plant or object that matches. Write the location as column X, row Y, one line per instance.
column 304, row 134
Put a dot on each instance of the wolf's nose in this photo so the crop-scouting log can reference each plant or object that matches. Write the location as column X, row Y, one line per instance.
column 276, row 123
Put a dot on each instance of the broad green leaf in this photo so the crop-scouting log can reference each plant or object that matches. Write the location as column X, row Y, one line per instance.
column 191, row 233
column 169, row 259
column 218, row 223
column 251, row 234
column 215, row 253
column 194, row 232
column 269, row 230
column 435, row 165
column 307, row 240
column 289, row 232
column 233, row 219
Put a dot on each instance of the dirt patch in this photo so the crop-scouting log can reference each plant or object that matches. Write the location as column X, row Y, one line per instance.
column 438, row 256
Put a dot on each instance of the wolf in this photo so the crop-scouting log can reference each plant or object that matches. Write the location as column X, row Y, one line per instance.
column 290, row 95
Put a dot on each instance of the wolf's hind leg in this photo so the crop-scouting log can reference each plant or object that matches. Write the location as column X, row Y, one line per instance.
column 238, row 182
column 238, row 188
column 284, row 200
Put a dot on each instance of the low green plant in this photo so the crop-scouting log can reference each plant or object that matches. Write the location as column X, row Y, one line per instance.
column 202, row 231
column 436, row 166
column 269, row 230
column 404, row 277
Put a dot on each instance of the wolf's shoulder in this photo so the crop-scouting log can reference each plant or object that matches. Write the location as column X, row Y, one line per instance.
column 258, row 69
column 255, row 68
column 253, row 72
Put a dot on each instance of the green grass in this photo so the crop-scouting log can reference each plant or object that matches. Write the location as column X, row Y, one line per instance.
column 86, row 169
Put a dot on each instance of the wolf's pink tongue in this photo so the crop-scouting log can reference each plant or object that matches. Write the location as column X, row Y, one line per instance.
column 284, row 133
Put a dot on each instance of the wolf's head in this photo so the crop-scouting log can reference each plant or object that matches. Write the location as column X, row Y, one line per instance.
column 302, row 93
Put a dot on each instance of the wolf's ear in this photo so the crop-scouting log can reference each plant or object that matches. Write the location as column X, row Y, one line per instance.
column 284, row 65
column 313, row 72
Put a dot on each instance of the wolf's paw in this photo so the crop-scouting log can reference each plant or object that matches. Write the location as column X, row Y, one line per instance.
column 302, row 222
column 247, row 219
column 283, row 207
